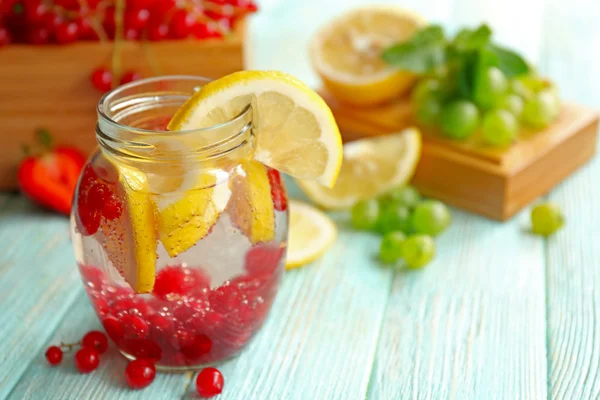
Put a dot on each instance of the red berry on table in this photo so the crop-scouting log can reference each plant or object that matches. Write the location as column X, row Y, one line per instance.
column 86, row 31
column 162, row 7
column 5, row 37
column 209, row 382
column 50, row 21
column 158, row 31
column 54, row 355
column 203, row 30
column 95, row 340
column 38, row 36
column 87, row 359
column 132, row 34
column 140, row 373
column 130, row 76
column 67, row 33
column 101, row 79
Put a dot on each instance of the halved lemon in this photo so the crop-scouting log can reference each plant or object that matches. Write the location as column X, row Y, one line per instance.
column 251, row 207
column 347, row 54
column 295, row 130
column 311, row 234
column 371, row 167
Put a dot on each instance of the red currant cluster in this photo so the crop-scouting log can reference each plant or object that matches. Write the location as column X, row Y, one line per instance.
column 66, row 21
column 138, row 374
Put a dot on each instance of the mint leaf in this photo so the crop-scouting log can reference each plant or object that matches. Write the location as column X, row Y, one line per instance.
column 509, row 62
column 423, row 52
column 468, row 39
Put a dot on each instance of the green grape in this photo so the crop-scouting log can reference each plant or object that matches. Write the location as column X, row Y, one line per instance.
column 512, row 103
column 499, row 128
column 552, row 93
column 426, row 89
column 518, row 87
column 364, row 214
column 390, row 250
column 407, row 196
column 546, row 218
column 460, row 119
column 430, row 217
column 394, row 217
column 418, row 251
column 428, row 111
column 490, row 86
column 540, row 110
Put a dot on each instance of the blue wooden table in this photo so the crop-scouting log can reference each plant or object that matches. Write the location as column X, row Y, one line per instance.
column 499, row 314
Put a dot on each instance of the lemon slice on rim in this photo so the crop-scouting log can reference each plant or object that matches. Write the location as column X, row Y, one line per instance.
column 295, row 130
column 251, row 207
column 371, row 167
column 311, row 234
column 347, row 54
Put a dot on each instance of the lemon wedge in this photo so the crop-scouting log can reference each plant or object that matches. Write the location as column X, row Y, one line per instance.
column 347, row 54
column 131, row 240
column 371, row 167
column 311, row 234
column 294, row 129
column 251, row 208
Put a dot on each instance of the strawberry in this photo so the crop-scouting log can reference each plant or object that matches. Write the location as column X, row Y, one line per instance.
column 49, row 178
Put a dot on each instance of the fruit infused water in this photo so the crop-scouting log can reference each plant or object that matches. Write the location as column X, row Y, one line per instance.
column 180, row 236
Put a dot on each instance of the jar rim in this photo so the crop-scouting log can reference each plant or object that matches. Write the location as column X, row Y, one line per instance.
column 113, row 95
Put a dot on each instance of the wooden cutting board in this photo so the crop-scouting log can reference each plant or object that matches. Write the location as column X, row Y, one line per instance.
column 492, row 182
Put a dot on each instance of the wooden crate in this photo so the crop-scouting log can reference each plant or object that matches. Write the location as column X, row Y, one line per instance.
column 48, row 86
column 492, row 182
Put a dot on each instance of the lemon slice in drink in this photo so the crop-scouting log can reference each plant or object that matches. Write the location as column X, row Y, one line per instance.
column 130, row 240
column 347, row 54
column 371, row 167
column 251, row 207
column 294, row 129
column 311, row 234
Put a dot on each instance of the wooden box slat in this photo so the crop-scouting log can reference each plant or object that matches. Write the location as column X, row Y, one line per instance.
column 489, row 181
column 48, row 86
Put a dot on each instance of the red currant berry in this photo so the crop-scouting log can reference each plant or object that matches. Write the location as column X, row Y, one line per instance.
column 5, row 37
column 101, row 79
column 132, row 34
column 113, row 208
column 87, row 359
column 51, row 20
column 96, row 340
column 34, row 11
column 109, row 24
column 202, row 31
column 199, row 346
column 134, row 326
column 86, row 31
column 140, row 373
column 67, row 33
column 162, row 7
column 68, row 4
column 262, row 260
column 158, row 32
column 137, row 19
column 38, row 36
column 181, row 24
column 113, row 328
column 178, row 281
column 209, row 382
column 277, row 190
column 130, row 76
column 54, row 355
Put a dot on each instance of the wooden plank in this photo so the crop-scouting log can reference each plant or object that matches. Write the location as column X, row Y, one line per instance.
column 320, row 339
column 41, row 381
column 38, row 282
column 573, row 278
column 472, row 324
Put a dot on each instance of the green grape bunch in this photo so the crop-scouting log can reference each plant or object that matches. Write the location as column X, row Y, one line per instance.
column 471, row 87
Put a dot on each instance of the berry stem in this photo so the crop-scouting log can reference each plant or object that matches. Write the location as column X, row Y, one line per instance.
column 69, row 346
column 117, row 47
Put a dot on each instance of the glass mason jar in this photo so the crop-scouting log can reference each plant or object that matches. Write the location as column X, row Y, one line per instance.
column 180, row 237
